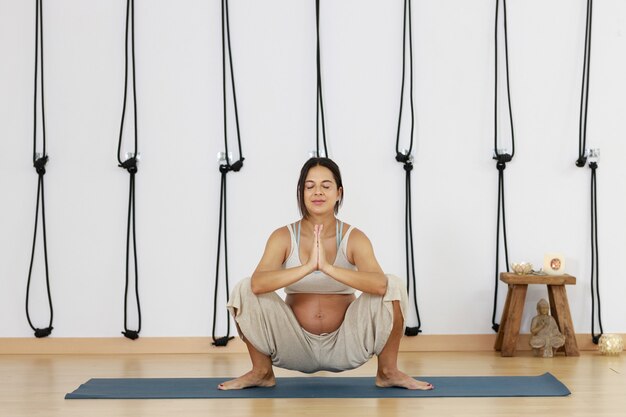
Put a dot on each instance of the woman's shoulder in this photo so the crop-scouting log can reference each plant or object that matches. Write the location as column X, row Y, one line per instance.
column 360, row 249
column 279, row 242
column 356, row 234
column 358, row 240
column 281, row 234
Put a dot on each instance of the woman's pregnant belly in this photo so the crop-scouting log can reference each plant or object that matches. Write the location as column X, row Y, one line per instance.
column 320, row 313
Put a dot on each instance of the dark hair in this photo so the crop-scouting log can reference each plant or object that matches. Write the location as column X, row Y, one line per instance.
column 313, row 162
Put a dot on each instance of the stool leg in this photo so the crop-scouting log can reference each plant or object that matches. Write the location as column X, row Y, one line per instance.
column 561, row 313
column 514, row 319
column 503, row 321
column 554, row 311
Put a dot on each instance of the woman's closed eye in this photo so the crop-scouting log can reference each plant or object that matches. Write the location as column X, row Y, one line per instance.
column 326, row 185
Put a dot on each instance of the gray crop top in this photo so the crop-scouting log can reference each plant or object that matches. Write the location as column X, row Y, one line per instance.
column 318, row 282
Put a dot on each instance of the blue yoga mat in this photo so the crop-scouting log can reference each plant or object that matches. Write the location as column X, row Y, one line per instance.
column 545, row 385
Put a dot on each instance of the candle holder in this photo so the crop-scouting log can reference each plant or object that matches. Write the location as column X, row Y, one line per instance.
column 553, row 264
column 611, row 344
column 522, row 268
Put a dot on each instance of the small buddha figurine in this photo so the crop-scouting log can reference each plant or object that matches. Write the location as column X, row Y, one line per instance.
column 545, row 334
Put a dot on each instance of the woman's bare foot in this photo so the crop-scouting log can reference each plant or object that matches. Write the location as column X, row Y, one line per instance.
column 253, row 378
column 400, row 379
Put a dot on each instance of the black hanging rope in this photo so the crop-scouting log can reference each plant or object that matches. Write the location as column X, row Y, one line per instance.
column 584, row 90
column 130, row 165
column 319, row 106
column 497, row 155
column 595, row 260
column 225, row 167
column 405, row 158
column 501, row 158
column 402, row 156
column 39, row 162
column 593, row 165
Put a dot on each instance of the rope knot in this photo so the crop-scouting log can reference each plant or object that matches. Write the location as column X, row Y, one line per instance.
column 222, row 341
column 412, row 331
column 40, row 165
column 581, row 161
column 131, row 334
column 129, row 165
column 402, row 157
column 39, row 333
column 593, row 165
column 406, row 159
column 502, row 159
column 236, row 167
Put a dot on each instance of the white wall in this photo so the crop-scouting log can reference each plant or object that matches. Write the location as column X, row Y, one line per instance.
column 179, row 92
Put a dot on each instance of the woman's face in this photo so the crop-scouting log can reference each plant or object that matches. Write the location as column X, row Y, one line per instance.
column 320, row 191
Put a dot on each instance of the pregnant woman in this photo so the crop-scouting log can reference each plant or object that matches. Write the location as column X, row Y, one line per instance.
column 320, row 261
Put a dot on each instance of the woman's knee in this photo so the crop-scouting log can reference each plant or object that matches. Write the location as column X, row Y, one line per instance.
column 394, row 282
column 242, row 294
column 396, row 292
column 244, row 285
column 239, row 295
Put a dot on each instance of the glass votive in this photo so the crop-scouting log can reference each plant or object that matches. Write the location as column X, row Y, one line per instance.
column 611, row 344
column 522, row 268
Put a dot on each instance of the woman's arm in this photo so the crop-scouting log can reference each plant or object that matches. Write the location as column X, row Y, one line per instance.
column 369, row 277
column 269, row 275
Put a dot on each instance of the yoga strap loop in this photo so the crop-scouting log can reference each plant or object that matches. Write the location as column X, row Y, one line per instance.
column 501, row 166
column 501, row 158
column 39, row 162
column 224, row 169
column 130, row 165
column 595, row 262
column 410, row 331
column 319, row 106
column 40, row 168
column 584, row 90
column 593, row 165
column 405, row 158
column 221, row 341
column 131, row 334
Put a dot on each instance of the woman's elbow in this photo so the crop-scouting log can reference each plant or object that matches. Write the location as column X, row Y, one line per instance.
column 382, row 289
column 255, row 287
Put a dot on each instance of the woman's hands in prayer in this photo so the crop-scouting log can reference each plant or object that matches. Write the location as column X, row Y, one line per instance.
column 317, row 259
column 313, row 262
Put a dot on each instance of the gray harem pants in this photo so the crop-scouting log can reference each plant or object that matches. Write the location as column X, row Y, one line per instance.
column 269, row 324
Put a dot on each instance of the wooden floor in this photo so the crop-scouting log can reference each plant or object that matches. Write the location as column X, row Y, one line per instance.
column 34, row 385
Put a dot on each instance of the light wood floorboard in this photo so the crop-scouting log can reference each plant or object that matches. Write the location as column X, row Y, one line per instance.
column 34, row 385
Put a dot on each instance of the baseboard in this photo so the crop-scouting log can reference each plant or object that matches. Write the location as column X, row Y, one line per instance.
column 200, row 345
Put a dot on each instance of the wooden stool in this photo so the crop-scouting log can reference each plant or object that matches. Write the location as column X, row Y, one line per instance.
column 514, row 307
